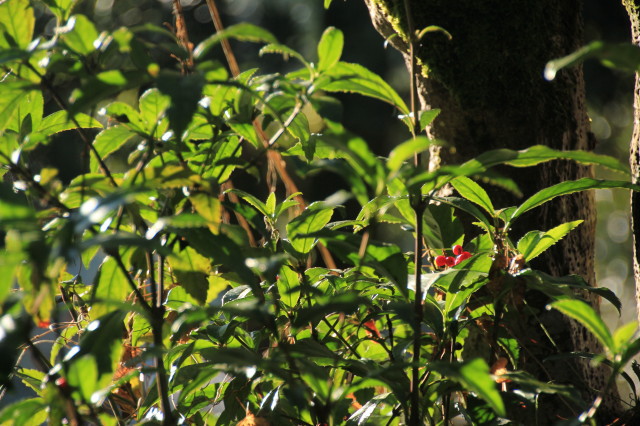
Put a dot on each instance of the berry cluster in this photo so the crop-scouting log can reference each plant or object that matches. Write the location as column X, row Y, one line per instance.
column 460, row 254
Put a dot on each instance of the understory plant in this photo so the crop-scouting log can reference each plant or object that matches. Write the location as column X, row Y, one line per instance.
column 184, row 278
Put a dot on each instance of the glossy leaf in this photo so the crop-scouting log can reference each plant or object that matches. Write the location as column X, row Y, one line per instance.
column 535, row 243
column 473, row 192
column 347, row 77
column 565, row 188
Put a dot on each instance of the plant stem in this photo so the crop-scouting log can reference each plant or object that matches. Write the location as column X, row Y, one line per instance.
column 414, row 419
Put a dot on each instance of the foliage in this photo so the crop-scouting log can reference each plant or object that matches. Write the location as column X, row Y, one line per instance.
column 172, row 296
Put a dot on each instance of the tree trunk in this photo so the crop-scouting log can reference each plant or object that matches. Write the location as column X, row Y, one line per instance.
column 488, row 81
column 633, row 8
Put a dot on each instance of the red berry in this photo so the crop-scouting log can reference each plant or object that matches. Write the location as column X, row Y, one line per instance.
column 62, row 383
column 450, row 260
column 463, row 256
column 440, row 261
column 44, row 324
column 457, row 249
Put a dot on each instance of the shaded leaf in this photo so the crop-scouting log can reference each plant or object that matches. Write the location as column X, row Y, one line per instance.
column 185, row 92
column 474, row 376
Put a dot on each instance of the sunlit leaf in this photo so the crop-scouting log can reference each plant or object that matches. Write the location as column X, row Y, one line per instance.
column 243, row 31
column 347, row 77
column 568, row 187
column 623, row 56
column 582, row 312
column 473, row 192
column 81, row 36
column 313, row 219
column 535, row 242
column 60, row 121
column 17, row 22
column 330, row 48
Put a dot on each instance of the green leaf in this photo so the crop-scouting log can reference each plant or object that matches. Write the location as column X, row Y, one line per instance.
column 60, row 121
column 623, row 56
column 442, row 229
column 82, row 374
column 347, row 77
column 473, row 192
column 109, row 141
column 467, row 207
column 28, row 113
column 25, row 412
column 583, row 313
column 259, row 205
column 565, row 188
column 185, row 92
column 81, row 36
column 624, row 335
column 362, row 415
column 191, row 270
column 153, row 105
column 312, row 219
column 10, row 97
column 330, row 48
column 17, row 22
column 102, row 341
column 563, row 287
column 126, row 114
column 285, row 51
column 327, row 3
column 104, row 85
column 474, row 376
column 209, row 208
column 288, row 286
column 525, row 158
column 535, row 243
column 61, row 8
column 110, row 285
column 406, row 150
column 427, row 116
column 242, row 31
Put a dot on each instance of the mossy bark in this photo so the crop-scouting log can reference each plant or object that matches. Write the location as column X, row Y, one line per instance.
column 488, row 81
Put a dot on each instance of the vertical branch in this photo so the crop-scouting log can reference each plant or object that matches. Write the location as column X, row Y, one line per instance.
column 418, row 206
